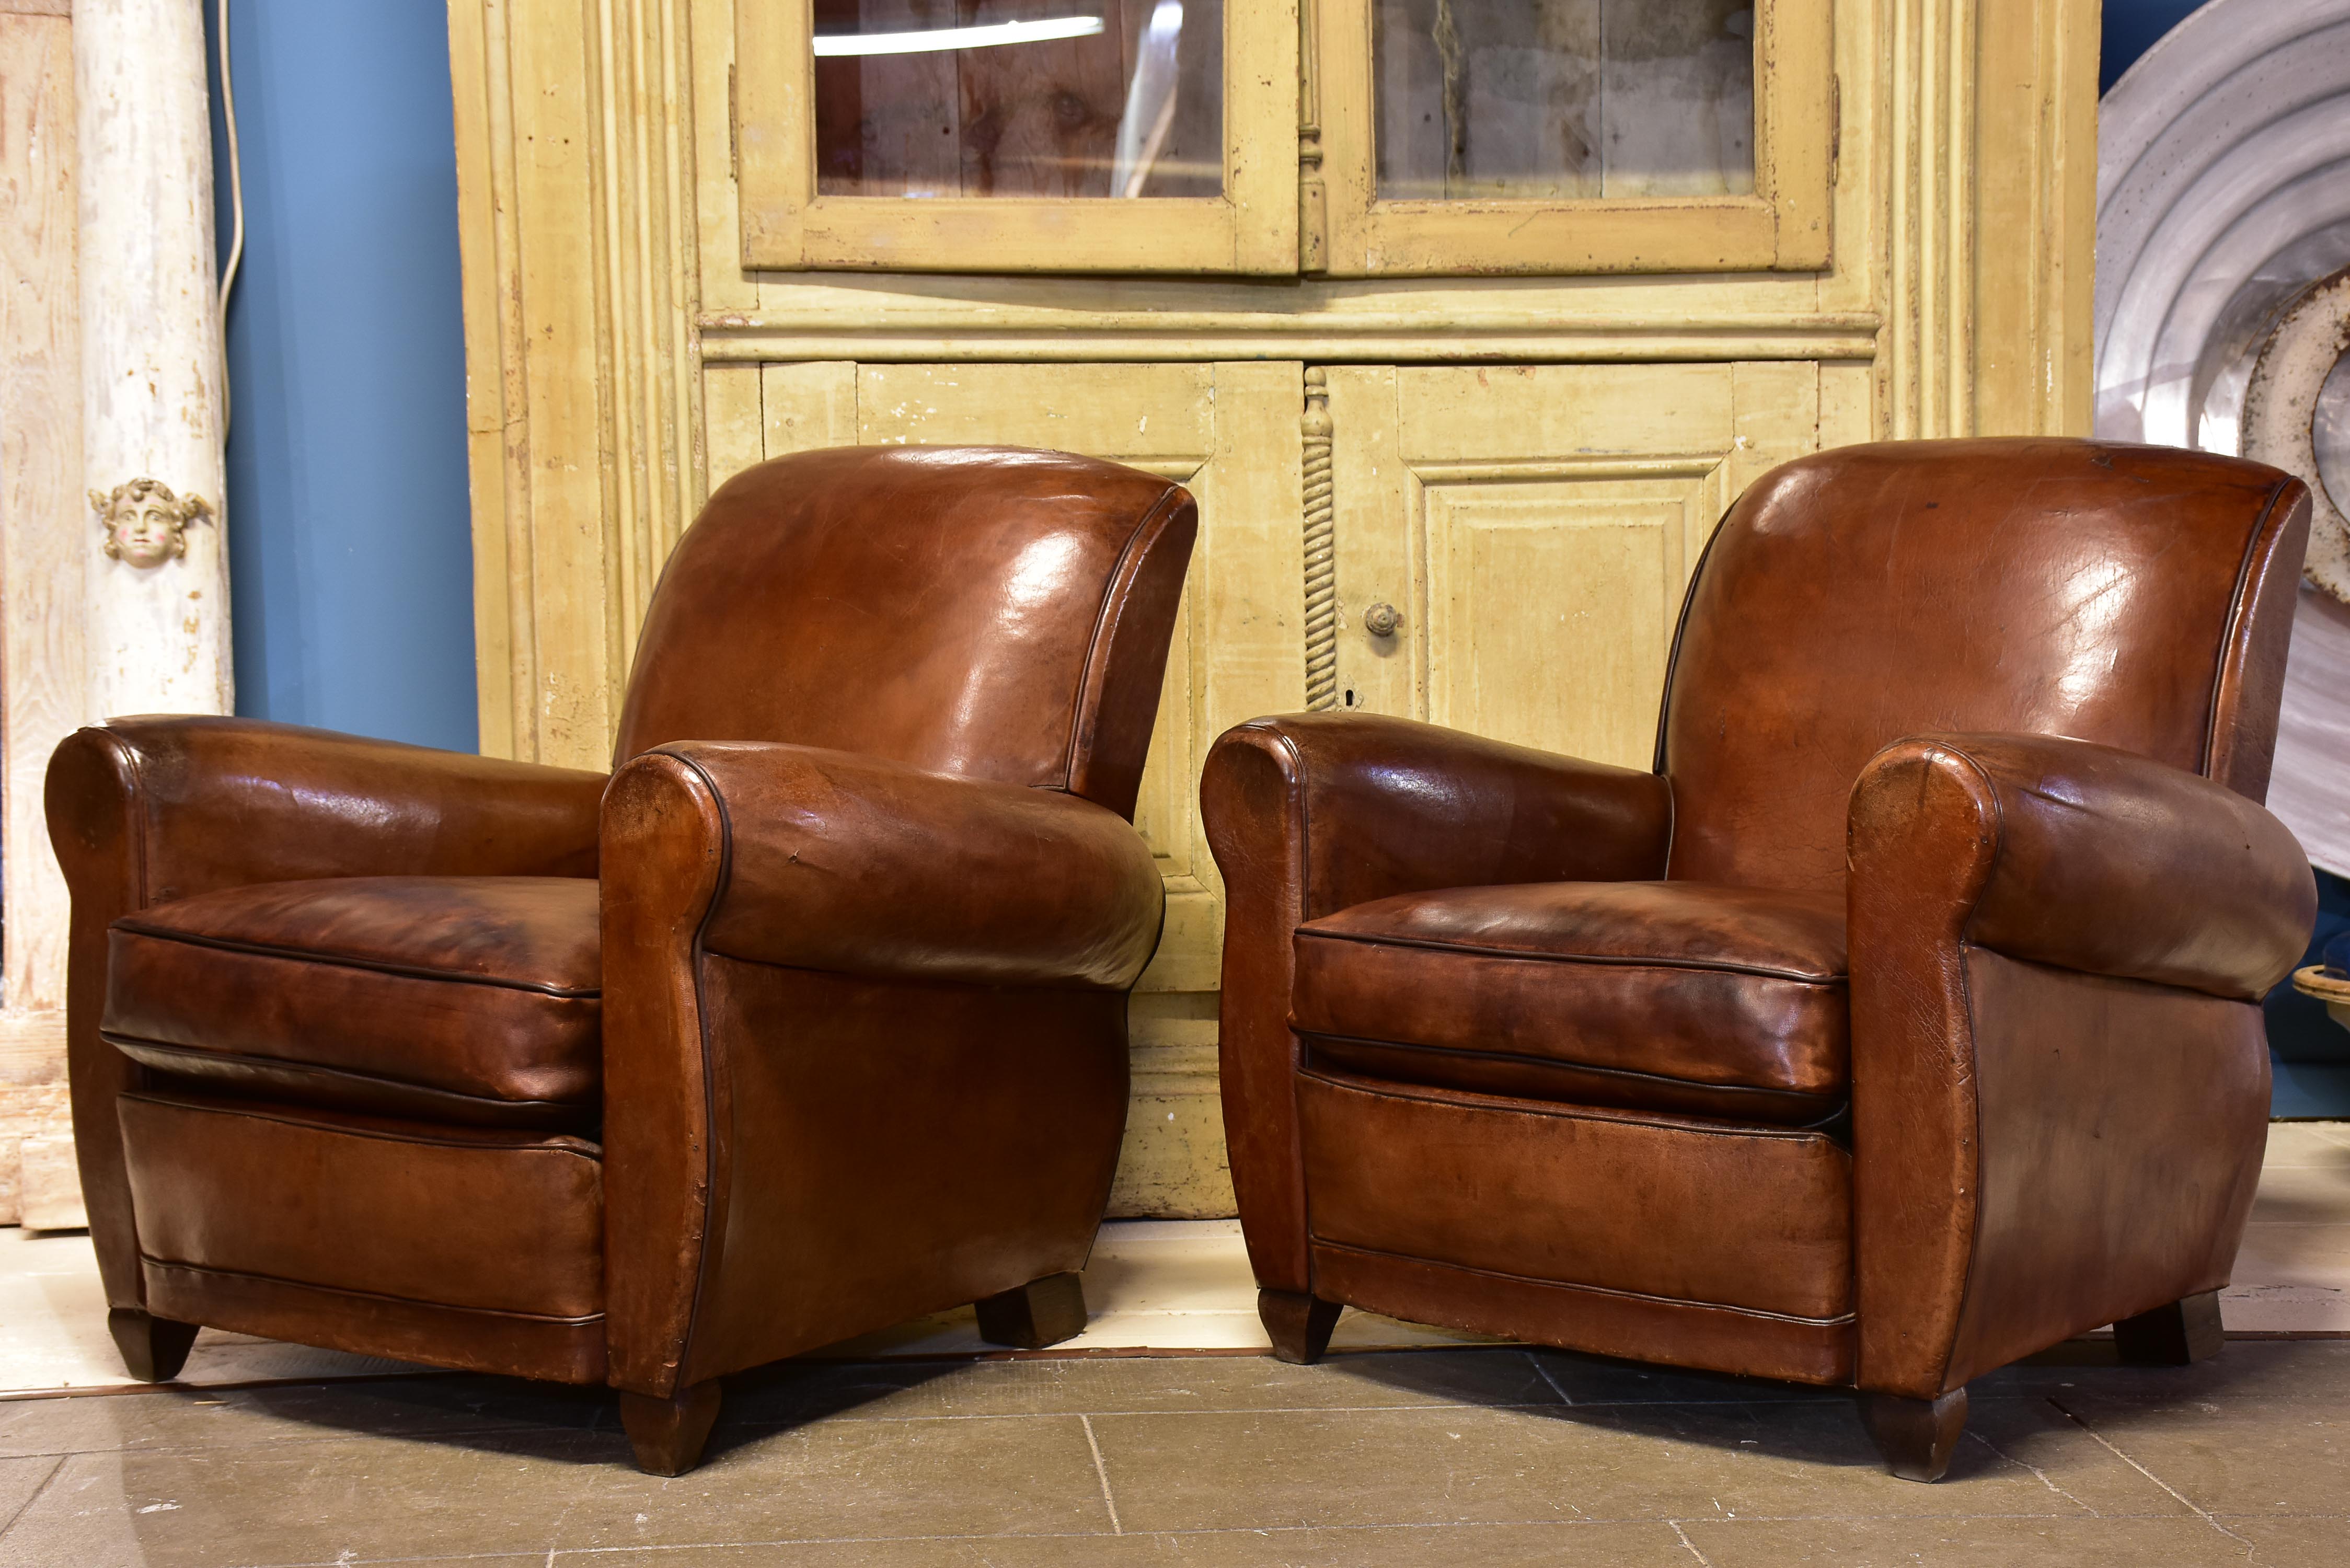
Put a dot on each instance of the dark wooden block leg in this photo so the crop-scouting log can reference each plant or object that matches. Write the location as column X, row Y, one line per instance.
column 2185, row 1331
column 1034, row 1316
column 1300, row 1324
column 153, row 1348
column 667, row 1434
column 1917, row 1436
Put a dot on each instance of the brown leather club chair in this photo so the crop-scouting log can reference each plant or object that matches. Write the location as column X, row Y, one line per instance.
column 366, row 1055
column 1903, row 1021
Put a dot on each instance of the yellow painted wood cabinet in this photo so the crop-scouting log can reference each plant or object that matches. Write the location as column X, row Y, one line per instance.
column 1459, row 427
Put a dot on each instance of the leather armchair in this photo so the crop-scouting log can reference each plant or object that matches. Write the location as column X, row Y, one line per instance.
column 1903, row 1020
column 809, row 1019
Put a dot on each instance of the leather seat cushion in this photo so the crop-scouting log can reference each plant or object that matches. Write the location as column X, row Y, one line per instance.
column 1672, row 996
column 468, row 999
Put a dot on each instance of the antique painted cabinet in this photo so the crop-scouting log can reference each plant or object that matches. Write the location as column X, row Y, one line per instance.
column 1464, row 318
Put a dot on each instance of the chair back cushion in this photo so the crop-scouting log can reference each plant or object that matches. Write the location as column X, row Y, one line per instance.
column 986, row 611
column 2138, row 597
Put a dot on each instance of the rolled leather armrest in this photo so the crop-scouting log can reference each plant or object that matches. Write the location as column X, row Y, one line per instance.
column 207, row 803
column 850, row 864
column 1399, row 807
column 2059, row 1077
column 2101, row 860
column 1312, row 813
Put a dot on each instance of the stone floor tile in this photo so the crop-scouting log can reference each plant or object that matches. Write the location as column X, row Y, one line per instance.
column 1615, row 1462
column 19, row 1480
column 1409, row 1546
column 2315, row 1253
column 1603, row 1380
column 2037, row 1437
column 340, row 1499
column 214, row 1417
column 2247, row 1372
column 2291, row 1145
column 2238, row 1457
column 2296, row 1542
column 839, row 1481
column 802, row 1391
column 1982, row 1542
column 2316, row 1193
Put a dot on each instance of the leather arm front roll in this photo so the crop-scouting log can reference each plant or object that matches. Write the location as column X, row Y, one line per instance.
column 211, row 803
column 1314, row 813
column 2100, row 860
column 2059, row 1078
column 849, row 864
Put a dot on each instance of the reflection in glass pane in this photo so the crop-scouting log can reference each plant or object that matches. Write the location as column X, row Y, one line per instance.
column 1020, row 98
column 1564, row 99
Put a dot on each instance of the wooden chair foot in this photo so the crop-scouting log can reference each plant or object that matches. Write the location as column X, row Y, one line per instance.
column 667, row 1434
column 1034, row 1316
column 2176, row 1334
column 1917, row 1436
column 1300, row 1324
column 153, row 1348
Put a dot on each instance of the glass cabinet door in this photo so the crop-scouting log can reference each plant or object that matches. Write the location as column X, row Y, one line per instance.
column 1569, row 136
column 1018, row 135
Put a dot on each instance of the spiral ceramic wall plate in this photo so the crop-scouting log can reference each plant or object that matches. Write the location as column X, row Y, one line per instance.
column 2223, row 242
column 2223, row 310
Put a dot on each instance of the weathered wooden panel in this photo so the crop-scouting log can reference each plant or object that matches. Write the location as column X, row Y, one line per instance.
column 1551, row 607
column 46, row 526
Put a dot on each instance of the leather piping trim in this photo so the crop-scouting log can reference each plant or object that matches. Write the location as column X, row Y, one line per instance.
column 262, row 1112
column 1468, row 1099
column 713, row 1192
column 137, row 927
column 1603, row 960
column 1972, row 1080
column 1630, row 1075
column 1673, row 663
column 1301, row 812
column 1839, row 1321
column 592, row 1318
column 2231, row 635
column 1146, row 529
column 904, row 978
column 168, row 1048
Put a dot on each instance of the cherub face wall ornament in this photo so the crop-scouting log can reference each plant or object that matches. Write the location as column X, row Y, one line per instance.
column 145, row 523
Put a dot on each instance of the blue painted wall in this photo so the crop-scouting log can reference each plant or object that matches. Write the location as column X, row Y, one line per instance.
column 349, row 553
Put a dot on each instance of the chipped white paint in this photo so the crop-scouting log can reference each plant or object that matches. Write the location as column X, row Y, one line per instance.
column 150, row 338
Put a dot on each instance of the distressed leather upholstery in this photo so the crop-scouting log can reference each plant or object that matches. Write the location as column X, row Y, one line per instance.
column 1901, row 1020
column 808, row 1019
column 1663, row 995
column 462, row 998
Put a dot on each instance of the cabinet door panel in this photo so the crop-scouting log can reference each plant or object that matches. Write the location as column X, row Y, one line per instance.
column 1551, row 604
column 1536, row 528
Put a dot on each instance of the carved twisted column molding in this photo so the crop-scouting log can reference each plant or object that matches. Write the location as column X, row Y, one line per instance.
column 576, row 221
column 1321, row 551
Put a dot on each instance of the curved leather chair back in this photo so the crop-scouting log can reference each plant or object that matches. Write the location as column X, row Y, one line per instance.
column 2137, row 596
column 985, row 611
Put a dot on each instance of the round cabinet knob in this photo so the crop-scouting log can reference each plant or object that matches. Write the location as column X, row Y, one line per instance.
column 1382, row 619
